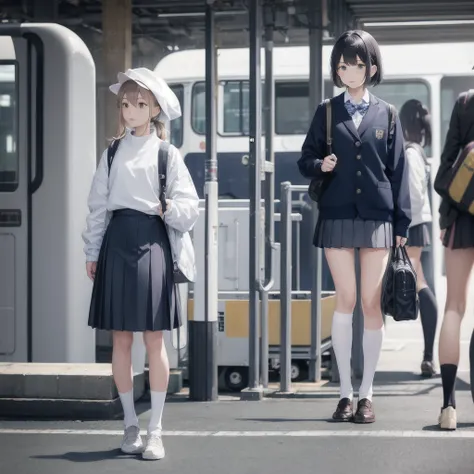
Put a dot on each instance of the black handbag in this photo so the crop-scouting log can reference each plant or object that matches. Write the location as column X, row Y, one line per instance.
column 318, row 185
column 399, row 297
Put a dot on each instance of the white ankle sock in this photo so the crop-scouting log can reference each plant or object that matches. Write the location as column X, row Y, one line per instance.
column 341, row 334
column 128, row 405
column 372, row 346
column 157, row 405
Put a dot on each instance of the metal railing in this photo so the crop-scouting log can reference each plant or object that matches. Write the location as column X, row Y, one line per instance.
column 287, row 218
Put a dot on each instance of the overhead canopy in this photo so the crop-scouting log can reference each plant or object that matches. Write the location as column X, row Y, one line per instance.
column 179, row 24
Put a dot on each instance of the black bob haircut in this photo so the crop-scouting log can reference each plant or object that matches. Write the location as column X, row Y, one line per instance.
column 416, row 122
column 355, row 43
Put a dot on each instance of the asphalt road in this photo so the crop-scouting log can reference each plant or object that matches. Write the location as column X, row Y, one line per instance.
column 273, row 436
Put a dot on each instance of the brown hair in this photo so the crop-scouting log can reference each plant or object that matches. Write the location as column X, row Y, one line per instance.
column 131, row 89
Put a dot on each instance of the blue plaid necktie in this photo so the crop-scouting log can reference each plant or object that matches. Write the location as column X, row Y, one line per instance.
column 353, row 108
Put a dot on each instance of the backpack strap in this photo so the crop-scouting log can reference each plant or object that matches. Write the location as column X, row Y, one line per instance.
column 163, row 153
column 328, row 126
column 392, row 117
column 111, row 150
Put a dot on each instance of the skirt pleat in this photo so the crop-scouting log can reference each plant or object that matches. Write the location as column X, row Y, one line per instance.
column 353, row 233
column 133, row 287
column 419, row 236
column 460, row 235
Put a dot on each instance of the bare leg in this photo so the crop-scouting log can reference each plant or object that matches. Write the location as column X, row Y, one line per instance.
column 415, row 257
column 459, row 264
column 341, row 264
column 157, row 361
column 122, row 360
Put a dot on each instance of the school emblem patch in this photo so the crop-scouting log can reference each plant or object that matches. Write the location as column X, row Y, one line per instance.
column 379, row 134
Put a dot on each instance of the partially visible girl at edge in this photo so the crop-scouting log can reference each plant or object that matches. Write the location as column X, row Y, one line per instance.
column 457, row 235
column 415, row 121
column 366, row 205
column 127, row 246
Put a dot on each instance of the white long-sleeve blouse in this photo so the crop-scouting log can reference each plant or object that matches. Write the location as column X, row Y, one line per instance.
column 133, row 184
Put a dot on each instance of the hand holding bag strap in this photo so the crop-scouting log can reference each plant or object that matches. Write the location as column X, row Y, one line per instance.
column 162, row 168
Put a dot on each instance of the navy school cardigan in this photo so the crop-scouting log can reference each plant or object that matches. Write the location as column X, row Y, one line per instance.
column 370, row 179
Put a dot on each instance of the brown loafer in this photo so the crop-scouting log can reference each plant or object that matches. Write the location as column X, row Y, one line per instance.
column 343, row 411
column 365, row 412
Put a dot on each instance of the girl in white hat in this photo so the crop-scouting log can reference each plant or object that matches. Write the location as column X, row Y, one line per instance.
column 129, row 239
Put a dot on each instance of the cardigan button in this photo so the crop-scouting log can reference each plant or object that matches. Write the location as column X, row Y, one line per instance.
column 359, row 173
column 358, row 191
column 357, row 144
column 359, row 157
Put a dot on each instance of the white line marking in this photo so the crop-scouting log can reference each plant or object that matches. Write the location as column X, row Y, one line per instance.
column 260, row 434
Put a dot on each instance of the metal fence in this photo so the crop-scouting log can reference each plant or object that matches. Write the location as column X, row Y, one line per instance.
column 286, row 292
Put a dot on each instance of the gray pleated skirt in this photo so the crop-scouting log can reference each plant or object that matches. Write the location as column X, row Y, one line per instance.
column 460, row 235
column 419, row 236
column 353, row 233
column 133, row 286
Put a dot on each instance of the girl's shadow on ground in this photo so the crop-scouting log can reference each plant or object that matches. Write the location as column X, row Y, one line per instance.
column 92, row 456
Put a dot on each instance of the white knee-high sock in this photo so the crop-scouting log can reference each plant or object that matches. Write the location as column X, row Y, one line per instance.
column 341, row 334
column 128, row 405
column 372, row 346
column 157, row 405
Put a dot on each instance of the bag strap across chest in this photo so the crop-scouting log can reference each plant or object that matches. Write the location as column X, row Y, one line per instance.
column 328, row 126
column 163, row 153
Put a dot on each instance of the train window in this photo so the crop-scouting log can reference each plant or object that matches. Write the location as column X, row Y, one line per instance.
column 176, row 126
column 236, row 107
column 451, row 87
column 292, row 115
column 8, row 128
column 198, row 108
column 398, row 92
column 291, row 107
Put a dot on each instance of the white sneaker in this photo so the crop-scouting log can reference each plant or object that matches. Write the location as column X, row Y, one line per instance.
column 132, row 441
column 447, row 419
column 154, row 447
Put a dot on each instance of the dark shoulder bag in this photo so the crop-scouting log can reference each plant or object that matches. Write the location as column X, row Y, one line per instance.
column 318, row 185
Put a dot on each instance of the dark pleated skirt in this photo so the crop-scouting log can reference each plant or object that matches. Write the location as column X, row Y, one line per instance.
column 419, row 236
column 353, row 233
column 133, row 286
column 460, row 235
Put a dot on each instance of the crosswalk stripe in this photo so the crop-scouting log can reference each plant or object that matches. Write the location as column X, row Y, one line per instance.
column 260, row 434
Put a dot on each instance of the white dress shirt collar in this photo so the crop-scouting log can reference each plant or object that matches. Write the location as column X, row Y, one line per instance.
column 365, row 98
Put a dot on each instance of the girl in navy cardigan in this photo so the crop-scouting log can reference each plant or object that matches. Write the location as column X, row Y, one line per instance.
column 366, row 205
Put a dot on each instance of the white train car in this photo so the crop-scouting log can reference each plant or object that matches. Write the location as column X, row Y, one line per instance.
column 47, row 161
